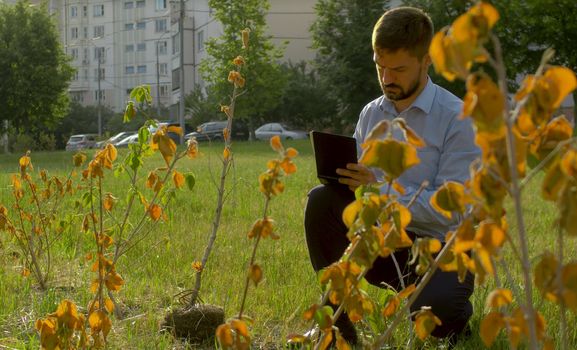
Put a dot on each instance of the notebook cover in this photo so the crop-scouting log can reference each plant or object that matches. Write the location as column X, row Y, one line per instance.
column 332, row 151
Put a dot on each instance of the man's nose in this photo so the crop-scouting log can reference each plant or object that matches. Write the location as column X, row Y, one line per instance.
column 388, row 77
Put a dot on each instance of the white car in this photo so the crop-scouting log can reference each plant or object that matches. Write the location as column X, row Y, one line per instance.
column 266, row 131
column 79, row 142
column 126, row 141
column 116, row 138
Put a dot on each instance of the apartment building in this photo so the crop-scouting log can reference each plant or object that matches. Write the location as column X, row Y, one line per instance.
column 117, row 45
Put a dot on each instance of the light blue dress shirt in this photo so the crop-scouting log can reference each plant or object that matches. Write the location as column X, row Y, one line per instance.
column 450, row 149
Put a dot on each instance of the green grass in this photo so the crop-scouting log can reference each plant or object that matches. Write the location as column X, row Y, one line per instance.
column 160, row 266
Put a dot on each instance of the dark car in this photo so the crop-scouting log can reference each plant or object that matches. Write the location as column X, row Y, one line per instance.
column 213, row 131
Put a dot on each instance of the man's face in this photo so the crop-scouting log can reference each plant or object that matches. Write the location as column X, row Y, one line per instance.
column 401, row 75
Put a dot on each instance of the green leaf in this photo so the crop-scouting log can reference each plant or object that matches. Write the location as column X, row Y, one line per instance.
column 323, row 315
column 143, row 135
column 190, row 180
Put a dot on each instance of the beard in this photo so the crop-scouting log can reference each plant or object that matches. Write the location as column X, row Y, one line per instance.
column 394, row 92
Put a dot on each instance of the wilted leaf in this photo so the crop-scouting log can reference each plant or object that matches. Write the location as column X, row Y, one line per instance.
column 78, row 159
column 450, row 198
column 155, row 212
column 276, row 144
column 392, row 156
column 425, row 323
column 113, row 281
column 410, row 135
column 224, row 336
column 178, row 179
column 255, row 274
column 491, row 325
column 499, row 297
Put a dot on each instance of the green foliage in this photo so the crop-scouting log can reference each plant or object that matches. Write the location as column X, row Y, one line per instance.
column 306, row 102
column 40, row 141
column 34, row 69
column 264, row 81
column 342, row 36
column 202, row 106
column 80, row 120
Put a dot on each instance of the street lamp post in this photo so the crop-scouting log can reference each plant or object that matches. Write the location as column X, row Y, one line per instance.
column 99, row 93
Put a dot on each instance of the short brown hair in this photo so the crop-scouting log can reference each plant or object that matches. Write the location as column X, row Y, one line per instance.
column 406, row 28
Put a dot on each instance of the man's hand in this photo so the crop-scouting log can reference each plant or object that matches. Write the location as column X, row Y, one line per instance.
column 355, row 175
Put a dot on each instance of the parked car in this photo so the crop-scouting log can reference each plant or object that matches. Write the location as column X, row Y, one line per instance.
column 116, row 138
column 213, row 131
column 266, row 131
column 126, row 141
column 82, row 141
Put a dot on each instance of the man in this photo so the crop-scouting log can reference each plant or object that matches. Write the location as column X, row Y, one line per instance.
column 401, row 40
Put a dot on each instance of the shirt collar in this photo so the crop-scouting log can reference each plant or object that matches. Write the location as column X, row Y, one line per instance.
column 423, row 102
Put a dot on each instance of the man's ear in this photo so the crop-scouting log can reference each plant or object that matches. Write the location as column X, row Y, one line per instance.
column 427, row 60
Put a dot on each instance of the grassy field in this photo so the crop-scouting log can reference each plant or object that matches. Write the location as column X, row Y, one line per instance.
column 160, row 266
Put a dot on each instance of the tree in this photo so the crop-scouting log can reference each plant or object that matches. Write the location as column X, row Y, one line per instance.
column 83, row 119
column 342, row 35
column 306, row 102
column 526, row 28
column 202, row 106
column 264, row 81
column 34, row 69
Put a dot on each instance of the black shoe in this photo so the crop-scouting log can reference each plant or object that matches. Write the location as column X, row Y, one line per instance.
column 454, row 338
column 347, row 329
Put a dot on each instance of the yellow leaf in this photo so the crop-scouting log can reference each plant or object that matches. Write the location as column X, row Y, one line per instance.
column 450, row 198
column 499, row 297
column 563, row 81
column 425, row 323
column 410, row 135
column 341, row 342
column 392, row 156
column 557, row 130
column 78, row 159
column 545, row 276
column 310, row 312
column 474, row 25
column 175, row 129
column 108, row 201
column 291, row 152
column 391, row 306
column 224, row 336
column 276, row 144
column 255, row 274
column 567, row 204
column 245, row 35
column 109, row 305
column 178, row 179
column 226, row 153
column 326, row 340
column 113, row 281
column 405, row 293
column 238, row 61
column 155, row 212
column 164, row 144
column 569, row 163
column 192, row 148
column 378, row 130
column 240, row 327
column 25, row 272
column 351, row 212
column 227, row 110
column 485, row 104
column 491, row 325
column 490, row 236
column 553, row 182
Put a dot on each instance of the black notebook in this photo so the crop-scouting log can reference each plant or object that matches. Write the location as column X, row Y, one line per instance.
column 331, row 152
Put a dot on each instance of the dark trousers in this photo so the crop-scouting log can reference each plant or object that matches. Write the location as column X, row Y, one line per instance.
column 326, row 240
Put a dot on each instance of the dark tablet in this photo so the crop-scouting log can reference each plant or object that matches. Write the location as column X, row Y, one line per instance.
column 331, row 152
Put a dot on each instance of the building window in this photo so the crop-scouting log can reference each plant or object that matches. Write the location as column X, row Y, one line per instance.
column 129, row 48
column 141, row 47
column 140, row 3
column 74, row 33
column 77, row 96
column 175, row 44
column 98, row 10
column 140, row 25
column 128, row 5
column 73, row 11
column 175, row 79
column 101, row 74
column 162, row 47
column 99, row 53
column 129, row 69
column 85, row 31
column 163, row 90
column 128, row 26
column 141, row 69
column 163, row 69
column 75, row 76
column 97, row 93
column 74, row 53
column 98, row 31
column 86, row 55
column 200, row 40
column 160, row 25
column 160, row 4
column 86, row 74
column 84, row 11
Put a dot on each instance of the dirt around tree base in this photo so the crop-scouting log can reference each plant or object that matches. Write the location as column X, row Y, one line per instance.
column 197, row 324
